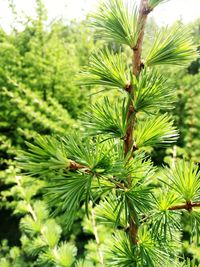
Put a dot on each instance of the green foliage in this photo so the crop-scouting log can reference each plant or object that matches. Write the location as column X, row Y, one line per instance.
column 172, row 46
column 41, row 113
column 130, row 218
column 185, row 180
column 11, row 254
column 106, row 69
column 107, row 118
column 155, row 131
column 107, row 212
column 120, row 251
column 154, row 3
column 187, row 113
column 51, row 239
column 42, row 158
column 66, row 255
column 94, row 155
column 123, row 253
column 40, row 235
column 117, row 21
column 150, row 252
column 38, row 95
column 71, row 189
column 90, row 169
column 151, row 92
column 194, row 220
column 164, row 223
column 189, row 263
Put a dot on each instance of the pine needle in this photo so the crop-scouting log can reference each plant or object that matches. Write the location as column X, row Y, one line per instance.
column 105, row 69
column 117, row 21
column 172, row 46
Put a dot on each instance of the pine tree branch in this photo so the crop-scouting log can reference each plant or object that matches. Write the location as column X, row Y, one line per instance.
column 137, row 67
column 29, row 207
column 137, row 51
column 74, row 166
column 188, row 206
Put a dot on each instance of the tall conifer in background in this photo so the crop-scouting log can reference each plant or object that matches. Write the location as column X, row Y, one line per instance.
column 108, row 165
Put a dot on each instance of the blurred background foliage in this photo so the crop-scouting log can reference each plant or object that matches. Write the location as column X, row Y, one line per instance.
column 39, row 93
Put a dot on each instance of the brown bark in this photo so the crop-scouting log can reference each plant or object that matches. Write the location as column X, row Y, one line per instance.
column 137, row 50
column 73, row 166
column 188, row 206
column 137, row 66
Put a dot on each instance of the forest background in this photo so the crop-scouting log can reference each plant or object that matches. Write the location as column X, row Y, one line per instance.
column 39, row 93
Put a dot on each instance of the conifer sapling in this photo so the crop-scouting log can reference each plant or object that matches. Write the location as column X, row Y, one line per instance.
column 107, row 165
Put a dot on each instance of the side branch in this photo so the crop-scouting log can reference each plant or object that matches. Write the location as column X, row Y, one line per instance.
column 188, row 206
column 73, row 166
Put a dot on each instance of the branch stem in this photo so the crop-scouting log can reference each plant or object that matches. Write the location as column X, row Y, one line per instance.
column 74, row 166
column 188, row 206
column 137, row 66
column 30, row 209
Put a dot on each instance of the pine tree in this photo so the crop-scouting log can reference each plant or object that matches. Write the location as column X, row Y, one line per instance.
column 25, row 71
column 40, row 239
column 108, row 164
